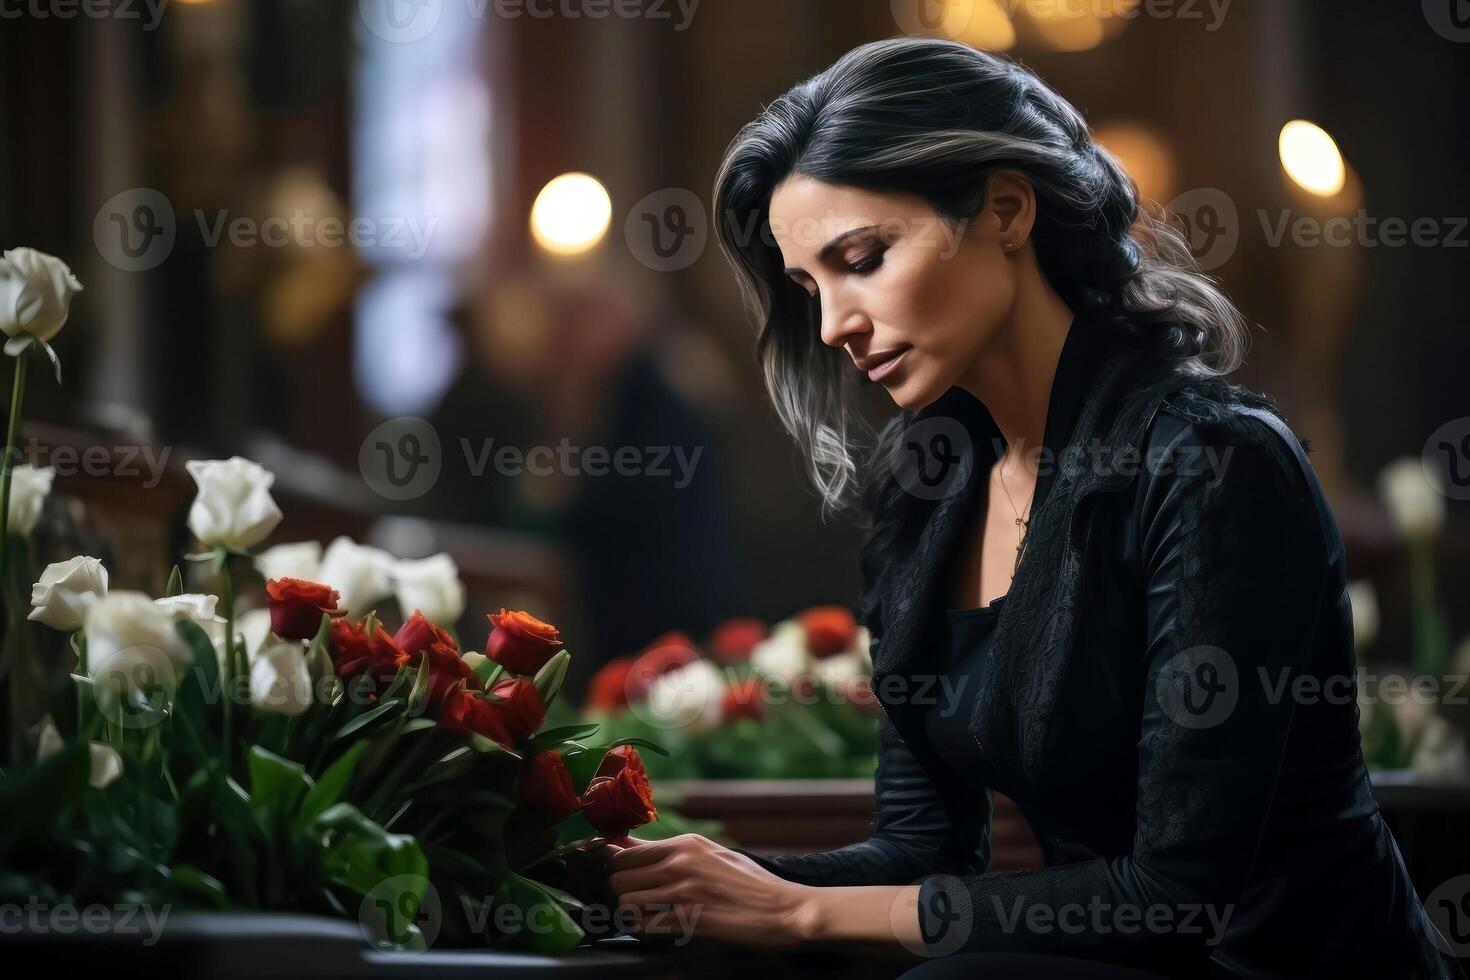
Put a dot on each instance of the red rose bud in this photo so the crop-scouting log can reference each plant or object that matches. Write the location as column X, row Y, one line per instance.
column 617, row 804
column 608, row 688
column 418, row 633
column 354, row 652
column 296, row 606
column 665, row 654
column 463, row 711
column 520, row 642
column 419, row 636
column 744, row 698
column 829, row 630
column 547, row 785
column 519, row 706
column 734, row 639
column 618, row 758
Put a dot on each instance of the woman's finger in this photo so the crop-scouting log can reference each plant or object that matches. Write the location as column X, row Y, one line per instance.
column 643, row 878
column 636, row 857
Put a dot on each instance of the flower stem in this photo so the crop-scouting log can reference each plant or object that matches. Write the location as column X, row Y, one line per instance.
column 17, row 393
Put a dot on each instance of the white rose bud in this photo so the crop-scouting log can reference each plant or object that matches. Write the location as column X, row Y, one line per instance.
column 362, row 575
column 431, row 586
column 132, row 642
column 36, row 291
column 29, row 488
column 64, row 591
column 690, row 697
column 197, row 609
column 1415, row 501
column 233, row 508
column 298, row 559
column 106, row 764
column 279, row 681
column 782, row 655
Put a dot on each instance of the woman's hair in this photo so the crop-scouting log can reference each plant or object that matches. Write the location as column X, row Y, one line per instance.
column 934, row 118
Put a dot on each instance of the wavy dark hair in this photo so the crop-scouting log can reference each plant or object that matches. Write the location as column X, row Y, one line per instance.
column 934, row 118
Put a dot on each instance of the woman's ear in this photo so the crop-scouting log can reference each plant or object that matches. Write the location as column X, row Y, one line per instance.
column 1010, row 208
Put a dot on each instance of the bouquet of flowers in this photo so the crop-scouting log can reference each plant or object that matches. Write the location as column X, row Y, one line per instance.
column 793, row 701
column 325, row 765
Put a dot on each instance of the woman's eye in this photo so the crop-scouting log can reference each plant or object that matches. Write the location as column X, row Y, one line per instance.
column 867, row 263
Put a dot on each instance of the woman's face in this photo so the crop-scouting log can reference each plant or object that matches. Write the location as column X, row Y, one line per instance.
column 912, row 299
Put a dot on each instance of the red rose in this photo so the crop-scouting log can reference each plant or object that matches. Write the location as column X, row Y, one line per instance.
column 547, row 785
column 520, row 642
column 519, row 706
column 354, row 652
column 665, row 654
column 446, row 665
column 734, row 639
column 829, row 630
column 296, row 606
column 744, row 699
column 620, row 797
column 418, row 633
column 463, row 711
column 608, row 688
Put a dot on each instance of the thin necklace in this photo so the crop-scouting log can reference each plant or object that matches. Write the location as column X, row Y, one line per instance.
column 1022, row 522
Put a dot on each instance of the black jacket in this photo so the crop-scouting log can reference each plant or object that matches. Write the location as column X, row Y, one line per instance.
column 1148, row 701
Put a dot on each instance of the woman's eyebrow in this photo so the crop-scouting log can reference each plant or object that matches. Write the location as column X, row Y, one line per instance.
column 833, row 245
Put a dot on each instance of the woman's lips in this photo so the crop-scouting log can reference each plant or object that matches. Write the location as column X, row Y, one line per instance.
column 887, row 367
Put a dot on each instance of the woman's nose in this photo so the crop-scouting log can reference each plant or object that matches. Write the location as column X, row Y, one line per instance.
column 839, row 328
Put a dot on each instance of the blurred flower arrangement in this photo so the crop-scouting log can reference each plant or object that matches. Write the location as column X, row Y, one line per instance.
column 1399, row 717
column 752, row 702
column 306, row 760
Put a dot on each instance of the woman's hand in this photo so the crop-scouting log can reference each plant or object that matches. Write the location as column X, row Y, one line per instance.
column 689, row 885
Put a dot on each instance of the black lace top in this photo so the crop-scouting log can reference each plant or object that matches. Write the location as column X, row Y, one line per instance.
column 947, row 722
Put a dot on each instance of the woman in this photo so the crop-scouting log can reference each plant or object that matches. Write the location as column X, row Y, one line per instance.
column 1099, row 577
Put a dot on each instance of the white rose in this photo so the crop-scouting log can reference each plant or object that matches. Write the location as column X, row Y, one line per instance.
column 132, row 642
column 106, row 764
column 1364, row 601
column 690, row 697
column 36, row 291
column 279, row 682
column 432, row 586
column 1414, row 499
column 782, row 655
column 839, row 671
column 255, row 626
column 299, row 559
column 233, row 508
column 64, row 591
column 363, row 575
column 1441, row 751
column 29, row 487
column 198, row 609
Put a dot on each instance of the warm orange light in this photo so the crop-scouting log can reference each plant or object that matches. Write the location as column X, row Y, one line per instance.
column 571, row 214
column 1144, row 154
column 1311, row 158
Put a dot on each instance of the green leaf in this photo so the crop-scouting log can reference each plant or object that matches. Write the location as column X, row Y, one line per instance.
column 51, row 353
column 367, row 718
column 481, row 743
column 549, row 677
column 196, row 883
column 276, row 784
column 556, row 932
column 199, row 693
column 488, row 671
column 418, row 694
column 175, row 583
column 553, row 737
column 330, row 787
